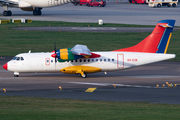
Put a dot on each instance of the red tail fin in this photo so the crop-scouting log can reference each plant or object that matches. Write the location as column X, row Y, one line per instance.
column 158, row 39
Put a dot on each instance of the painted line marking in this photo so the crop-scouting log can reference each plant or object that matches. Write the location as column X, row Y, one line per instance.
column 90, row 89
column 109, row 84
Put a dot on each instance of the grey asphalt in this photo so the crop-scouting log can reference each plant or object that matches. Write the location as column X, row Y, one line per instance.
column 136, row 84
column 120, row 12
column 132, row 85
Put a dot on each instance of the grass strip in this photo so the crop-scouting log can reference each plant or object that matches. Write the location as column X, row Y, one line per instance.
column 26, row 108
column 13, row 42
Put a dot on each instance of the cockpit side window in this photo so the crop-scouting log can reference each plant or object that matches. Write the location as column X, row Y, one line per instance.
column 18, row 58
column 22, row 58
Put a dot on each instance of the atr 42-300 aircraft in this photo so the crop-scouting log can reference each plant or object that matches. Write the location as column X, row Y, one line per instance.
column 30, row 5
column 80, row 60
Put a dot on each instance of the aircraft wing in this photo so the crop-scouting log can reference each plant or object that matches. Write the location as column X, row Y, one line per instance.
column 7, row 2
column 84, row 51
column 81, row 50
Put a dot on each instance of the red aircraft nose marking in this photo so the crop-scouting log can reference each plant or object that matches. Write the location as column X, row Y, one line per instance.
column 5, row 66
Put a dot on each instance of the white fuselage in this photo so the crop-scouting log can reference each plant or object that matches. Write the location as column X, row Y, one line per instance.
column 109, row 61
column 39, row 3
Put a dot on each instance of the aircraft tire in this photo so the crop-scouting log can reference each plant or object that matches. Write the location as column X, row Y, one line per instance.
column 16, row 75
column 7, row 13
column 84, row 75
column 37, row 12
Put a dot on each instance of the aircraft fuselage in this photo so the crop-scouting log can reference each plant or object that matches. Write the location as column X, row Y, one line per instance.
column 109, row 61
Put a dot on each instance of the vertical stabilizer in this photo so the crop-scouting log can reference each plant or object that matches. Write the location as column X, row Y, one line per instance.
column 157, row 41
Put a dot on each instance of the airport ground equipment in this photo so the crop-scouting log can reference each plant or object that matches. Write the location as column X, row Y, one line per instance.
column 88, row 3
column 138, row 1
column 159, row 3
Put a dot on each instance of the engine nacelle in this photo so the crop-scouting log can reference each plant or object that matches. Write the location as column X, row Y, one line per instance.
column 66, row 55
column 23, row 4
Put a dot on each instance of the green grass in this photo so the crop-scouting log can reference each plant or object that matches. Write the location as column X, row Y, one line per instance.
column 61, row 23
column 26, row 108
column 13, row 41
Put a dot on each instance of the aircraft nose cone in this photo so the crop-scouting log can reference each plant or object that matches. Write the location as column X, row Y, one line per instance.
column 5, row 66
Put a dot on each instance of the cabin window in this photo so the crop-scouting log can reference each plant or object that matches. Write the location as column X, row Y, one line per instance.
column 71, row 60
column 88, row 60
column 101, row 60
column 84, row 60
column 92, row 60
column 47, row 61
column 96, row 60
column 104, row 60
column 112, row 59
column 75, row 60
column 80, row 60
column 109, row 60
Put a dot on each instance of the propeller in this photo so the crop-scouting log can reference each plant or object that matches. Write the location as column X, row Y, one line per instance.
column 54, row 55
column 55, row 51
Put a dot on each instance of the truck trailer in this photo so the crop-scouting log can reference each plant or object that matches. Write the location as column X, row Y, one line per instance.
column 159, row 3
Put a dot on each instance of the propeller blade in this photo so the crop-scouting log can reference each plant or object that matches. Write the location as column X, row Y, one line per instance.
column 55, row 55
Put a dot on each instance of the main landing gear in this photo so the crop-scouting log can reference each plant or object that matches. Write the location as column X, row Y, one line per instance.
column 37, row 11
column 6, row 12
column 83, row 74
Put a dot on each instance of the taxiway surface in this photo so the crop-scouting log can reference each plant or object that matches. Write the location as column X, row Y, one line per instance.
column 120, row 12
column 136, row 84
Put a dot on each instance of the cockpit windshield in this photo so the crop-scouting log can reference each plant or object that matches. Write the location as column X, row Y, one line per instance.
column 14, row 58
column 18, row 58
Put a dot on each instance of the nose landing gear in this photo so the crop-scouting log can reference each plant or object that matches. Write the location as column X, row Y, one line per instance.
column 7, row 13
column 16, row 74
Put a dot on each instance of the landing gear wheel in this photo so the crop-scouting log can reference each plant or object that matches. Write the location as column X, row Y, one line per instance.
column 37, row 12
column 16, row 75
column 84, row 75
column 7, row 13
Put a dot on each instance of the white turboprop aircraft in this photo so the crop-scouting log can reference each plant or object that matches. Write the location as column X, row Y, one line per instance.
column 80, row 60
column 30, row 5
